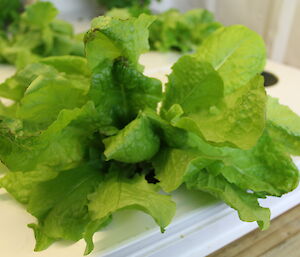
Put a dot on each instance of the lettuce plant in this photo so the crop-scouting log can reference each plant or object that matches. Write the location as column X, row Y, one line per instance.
column 36, row 34
column 84, row 138
column 181, row 32
column 173, row 30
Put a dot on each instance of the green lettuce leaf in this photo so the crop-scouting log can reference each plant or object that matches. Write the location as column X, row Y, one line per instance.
column 61, row 205
column 70, row 65
column 175, row 137
column 173, row 167
column 170, row 166
column 40, row 14
column 135, row 143
column 62, row 145
column 193, row 85
column 266, row 168
column 20, row 184
column 14, row 87
column 245, row 203
column 118, row 89
column 284, row 126
column 119, row 92
column 237, row 118
column 117, row 192
column 127, row 38
column 236, row 52
column 91, row 229
column 46, row 97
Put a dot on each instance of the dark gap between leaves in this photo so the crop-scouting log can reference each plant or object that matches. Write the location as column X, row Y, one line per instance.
column 269, row 79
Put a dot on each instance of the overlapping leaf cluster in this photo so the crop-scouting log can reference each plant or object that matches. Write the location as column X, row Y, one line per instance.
column 181, row 32
column 173, row 30
column 84, row 133
column 36, row 34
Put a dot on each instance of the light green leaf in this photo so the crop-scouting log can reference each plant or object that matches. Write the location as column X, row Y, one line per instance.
column 40, row 14
column 8, row 110
column 170, row 166
column 245, row 203
column 236, row 52
column 20, row 184
column 120, row 13
column 127, row 38
column 62, row 27
column 265, row 168
column 42, row 241
column 46, row 97
column 61, row 204
column 137, row 142
column 63, row 145
column 117, row 193
column 14, row 87
column 238, row 120
column 175, row 137
column 91, row 229
column 71, row 65
column 284, row 125
column 193, row 85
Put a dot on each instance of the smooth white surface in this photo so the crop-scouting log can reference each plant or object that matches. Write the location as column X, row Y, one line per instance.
column 285, row 22
column 201, row 226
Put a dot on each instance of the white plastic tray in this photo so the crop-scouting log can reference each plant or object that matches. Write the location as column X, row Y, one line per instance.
column 201, row 226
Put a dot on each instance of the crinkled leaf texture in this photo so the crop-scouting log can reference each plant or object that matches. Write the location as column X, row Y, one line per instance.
column 135, row 143
column 284, row 125
column 60, row 205
column 119, row 92
column 63, row 144
column 174, row 167
column 118, row 88
column 127, row 38
column 237, row 118
column 80, row 201
column 266, row 168
column 245, row 203
column 118, row 192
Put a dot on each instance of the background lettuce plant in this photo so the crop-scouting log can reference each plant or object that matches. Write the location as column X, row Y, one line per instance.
column 36, row 33
column 173, row 30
